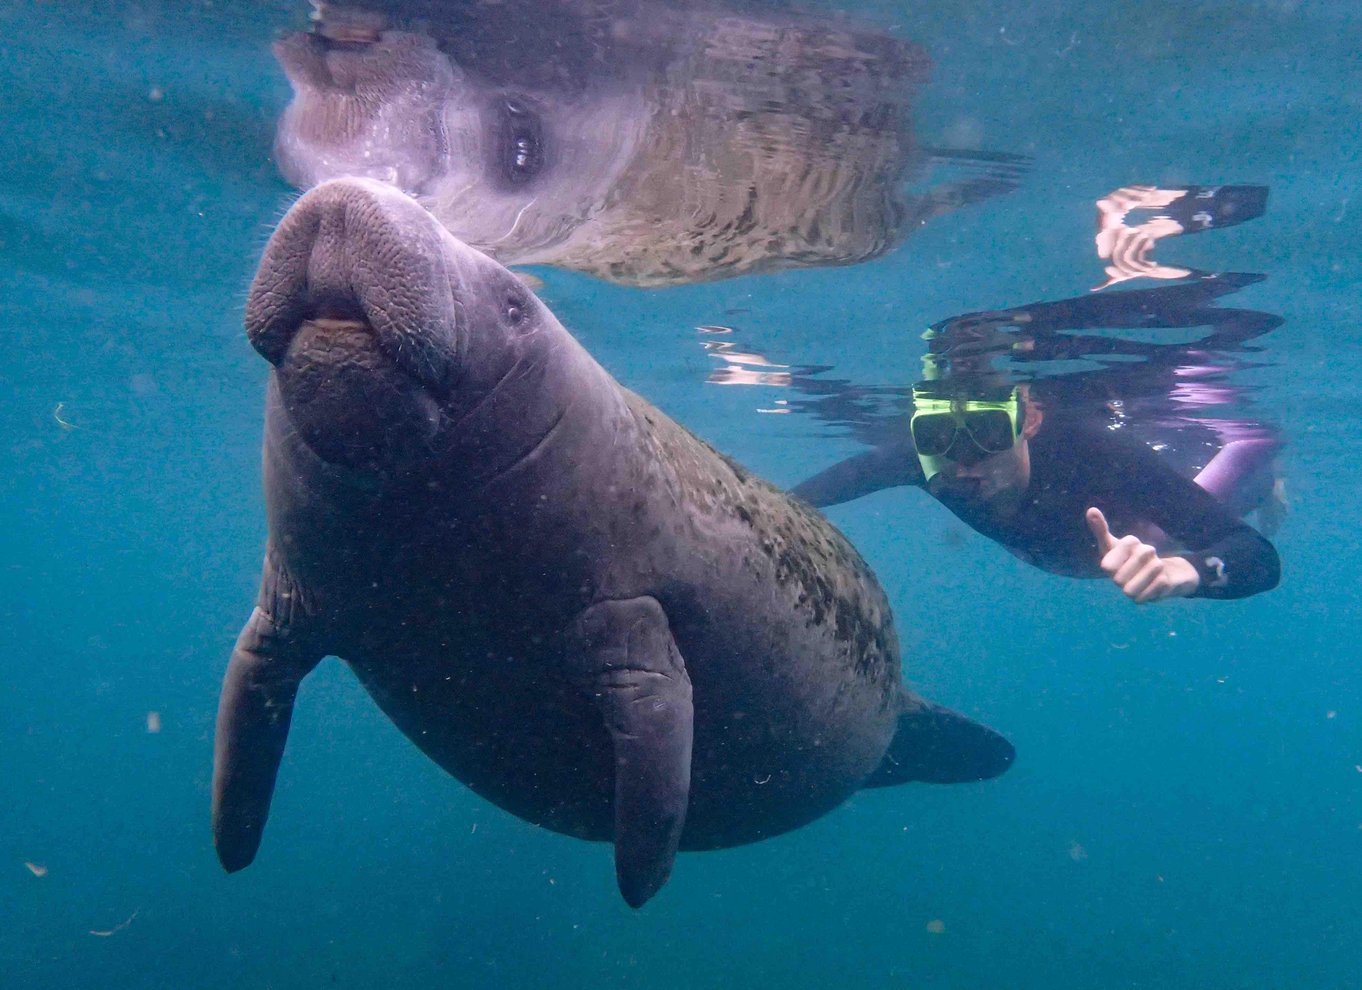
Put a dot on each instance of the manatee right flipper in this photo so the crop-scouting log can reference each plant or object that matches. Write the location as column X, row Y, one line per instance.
column 623, row 656
column 935, row 745
column 270, row 659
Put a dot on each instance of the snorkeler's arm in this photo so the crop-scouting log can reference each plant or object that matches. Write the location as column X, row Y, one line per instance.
column 1239, row 562
column 1230, row 558
column 884, row 467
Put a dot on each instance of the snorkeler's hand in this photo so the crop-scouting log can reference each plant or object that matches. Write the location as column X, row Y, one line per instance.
column 1137, row 568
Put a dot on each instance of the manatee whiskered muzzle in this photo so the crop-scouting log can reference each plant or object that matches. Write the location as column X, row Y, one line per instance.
column 349, row 402
column 331, row 331
column 358, row 252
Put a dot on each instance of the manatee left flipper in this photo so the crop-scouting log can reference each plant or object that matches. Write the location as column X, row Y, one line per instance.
column 935, row 745
column 270, row 659
column 623, row 655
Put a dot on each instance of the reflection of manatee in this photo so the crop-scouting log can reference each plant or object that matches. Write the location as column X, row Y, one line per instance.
column 649, row 147
column 561, row 596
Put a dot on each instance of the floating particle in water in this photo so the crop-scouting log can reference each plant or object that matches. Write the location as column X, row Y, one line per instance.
column 936, row 926
column 153, row 722
column 1279, row 491
column 62, row 421
column 37, row 869
column 106, row 932
column 1331, row 714
column 1077, row 853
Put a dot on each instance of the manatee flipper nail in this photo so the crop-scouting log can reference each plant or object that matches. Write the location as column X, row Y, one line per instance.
column 622, row 653
column 935, row 745
column 254, row 712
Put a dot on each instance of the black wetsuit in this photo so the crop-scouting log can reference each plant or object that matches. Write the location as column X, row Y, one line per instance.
column 1075, row 465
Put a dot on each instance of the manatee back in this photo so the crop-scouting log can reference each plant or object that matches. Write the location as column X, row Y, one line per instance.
column 780, row 556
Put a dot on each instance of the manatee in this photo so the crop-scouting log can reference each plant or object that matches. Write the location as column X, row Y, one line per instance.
column 562, row 597
column 643, row 142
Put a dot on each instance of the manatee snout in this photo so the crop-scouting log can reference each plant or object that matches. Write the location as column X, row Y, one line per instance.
column 356, row 249
column 354, row 304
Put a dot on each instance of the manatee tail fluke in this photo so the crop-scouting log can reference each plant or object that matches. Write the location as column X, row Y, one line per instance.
column 935, row 745
column 254, row 713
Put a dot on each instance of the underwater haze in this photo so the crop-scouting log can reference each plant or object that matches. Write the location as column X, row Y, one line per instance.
column 1185, row 808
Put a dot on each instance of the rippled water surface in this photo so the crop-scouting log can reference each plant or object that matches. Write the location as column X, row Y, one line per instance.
column 708, row 197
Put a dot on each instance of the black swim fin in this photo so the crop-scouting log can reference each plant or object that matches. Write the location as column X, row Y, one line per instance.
column 935, row 745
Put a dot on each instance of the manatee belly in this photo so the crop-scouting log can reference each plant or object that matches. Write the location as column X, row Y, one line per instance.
column 534, row 745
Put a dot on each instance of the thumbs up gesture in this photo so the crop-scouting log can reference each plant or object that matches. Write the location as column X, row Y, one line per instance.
column 1137, row 568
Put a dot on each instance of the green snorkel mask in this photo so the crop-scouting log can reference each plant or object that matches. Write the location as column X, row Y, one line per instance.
column 960, row 429
column 965, row 409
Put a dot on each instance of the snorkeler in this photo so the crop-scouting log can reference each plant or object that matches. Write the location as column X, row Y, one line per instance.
column 1055, row 469
column 1056, row 491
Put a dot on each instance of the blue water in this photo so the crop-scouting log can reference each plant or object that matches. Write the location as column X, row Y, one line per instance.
column 1186, row 808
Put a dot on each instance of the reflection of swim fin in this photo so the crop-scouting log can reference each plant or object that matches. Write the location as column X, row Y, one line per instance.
column 938, row 746
column 1203, row 207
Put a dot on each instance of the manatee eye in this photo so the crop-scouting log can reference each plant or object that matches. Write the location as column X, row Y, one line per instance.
column 514, row 311
column 521, row 142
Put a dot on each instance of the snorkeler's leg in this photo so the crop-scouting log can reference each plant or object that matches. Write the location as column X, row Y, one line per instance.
column 1240, row 474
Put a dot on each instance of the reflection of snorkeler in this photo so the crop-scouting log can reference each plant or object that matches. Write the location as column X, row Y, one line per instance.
column 1052, row 481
